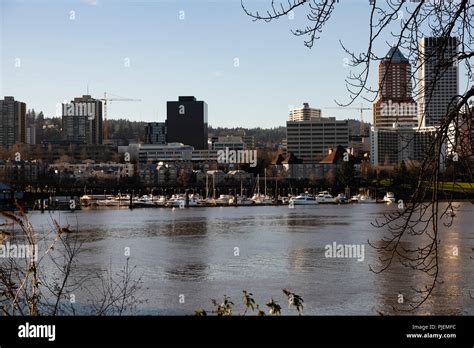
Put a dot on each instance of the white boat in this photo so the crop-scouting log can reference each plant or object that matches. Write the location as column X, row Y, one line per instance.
column 148, row 201
column 161, row 201
column 325, row 197
column 175, row 200
column 389, row 197
column 242, row 200
column 341, row 198
column 180, row 201
column 367, row 199
column 304, row 199
column 115, row 201
column 261, row 199
column 85, row 200
column 355, row 199
column 224, row 200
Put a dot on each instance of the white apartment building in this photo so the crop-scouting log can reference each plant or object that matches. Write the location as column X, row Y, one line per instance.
column 304, row 114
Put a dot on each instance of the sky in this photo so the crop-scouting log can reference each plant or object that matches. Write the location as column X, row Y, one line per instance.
column 249, row 73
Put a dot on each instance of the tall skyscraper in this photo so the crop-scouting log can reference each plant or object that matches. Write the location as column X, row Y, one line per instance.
column 395, row 104
column 82, row 120
column 187, row 122
column 438, row 78
column 304, row 114
column 12, row 121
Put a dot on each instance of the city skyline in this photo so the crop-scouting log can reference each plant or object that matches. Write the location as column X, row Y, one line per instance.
column 223, row 58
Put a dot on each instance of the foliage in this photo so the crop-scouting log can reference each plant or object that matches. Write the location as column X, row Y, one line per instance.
column 225, row 307
column 44, row 282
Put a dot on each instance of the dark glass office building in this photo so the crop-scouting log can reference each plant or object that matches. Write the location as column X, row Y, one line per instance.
column 187, row 122
column 12, row 122
column 155, row 133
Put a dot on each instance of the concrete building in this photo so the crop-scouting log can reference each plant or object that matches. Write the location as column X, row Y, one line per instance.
column 31, row 135
column 390, row 146
column 173, row 152
column 311, row 140
column 395, row 104
column 82, row 121
column 304, row 114
column 187, row 122
column 12, row 122
column 230, row 142
column 437, row 87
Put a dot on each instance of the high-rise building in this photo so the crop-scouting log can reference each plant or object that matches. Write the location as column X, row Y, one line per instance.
column 12, row 122
column 438, row 76
column 187, row 122
column 390, row 146
column 304, row 114
column 311, row 140
column 395, row 104
column 155, row 133
column 30, row 138
column 82, row 121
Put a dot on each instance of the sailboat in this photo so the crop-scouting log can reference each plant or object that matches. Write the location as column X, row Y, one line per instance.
column 259, row 198
column 243, row 200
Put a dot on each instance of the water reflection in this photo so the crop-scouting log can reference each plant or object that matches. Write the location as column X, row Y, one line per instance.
column 305, row 260
column 189, row 272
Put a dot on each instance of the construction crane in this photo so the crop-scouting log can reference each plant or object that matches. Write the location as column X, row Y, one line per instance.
column 106, row 100
column 361, row 109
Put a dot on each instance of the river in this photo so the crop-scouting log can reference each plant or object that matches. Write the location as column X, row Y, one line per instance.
column 195, row 254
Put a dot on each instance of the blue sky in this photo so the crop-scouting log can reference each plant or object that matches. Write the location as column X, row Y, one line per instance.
column 170, row 56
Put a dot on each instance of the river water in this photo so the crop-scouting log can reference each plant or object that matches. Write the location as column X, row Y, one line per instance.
column 196, row 254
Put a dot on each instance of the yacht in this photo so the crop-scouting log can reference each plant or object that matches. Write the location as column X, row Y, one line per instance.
column 115, row 201
column 341, row 198
column 145, row 201
column 224, row 200
column 325, row 197
column 355, row 199
column 175, row 200
column 161, row 201
column 261, row 199
column 304, row 199
column 389, row 197
column 367, row 199
column 242, row 200
column 180, row 201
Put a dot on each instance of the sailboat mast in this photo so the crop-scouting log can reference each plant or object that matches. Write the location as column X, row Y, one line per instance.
column 213, row 188
column 265, row 172
column 258, row 185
